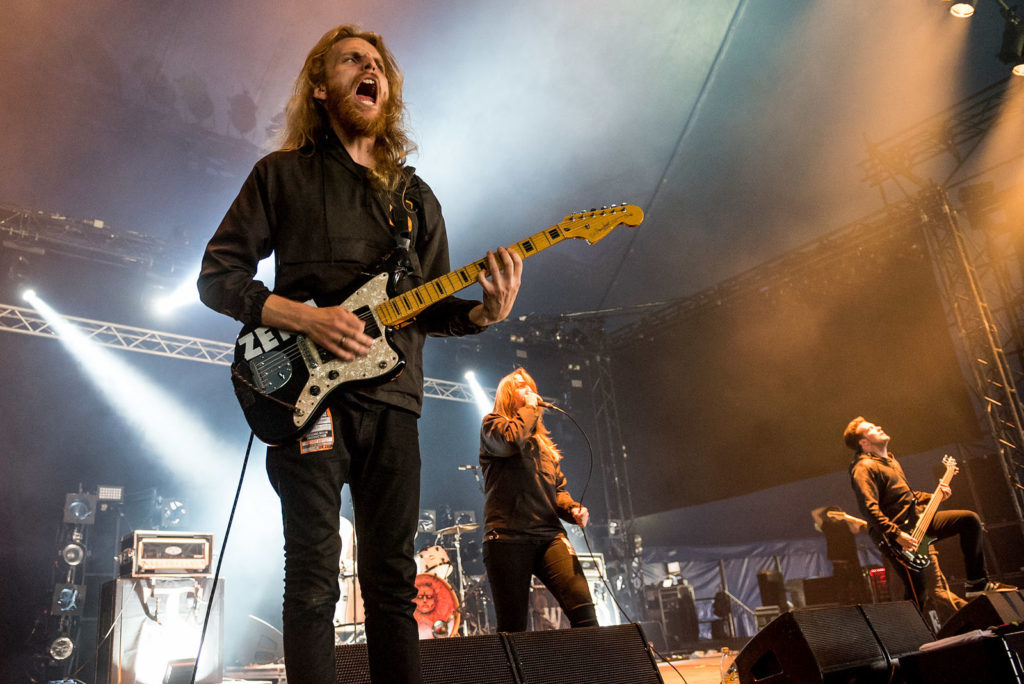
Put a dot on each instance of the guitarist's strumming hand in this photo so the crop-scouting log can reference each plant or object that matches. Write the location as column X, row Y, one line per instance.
column 334, row 328
column 907, row 542
column 500, row 284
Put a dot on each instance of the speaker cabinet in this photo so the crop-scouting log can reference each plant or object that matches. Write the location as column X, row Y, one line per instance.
column 154, row 626
column 986, row 611
column 596, row 655
column 992, row 660
column 833, row 644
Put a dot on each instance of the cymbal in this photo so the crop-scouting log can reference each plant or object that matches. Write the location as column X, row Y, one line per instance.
column 457, row 529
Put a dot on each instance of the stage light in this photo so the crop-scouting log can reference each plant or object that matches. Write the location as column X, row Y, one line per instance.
column 73, row 554
column 61, row 648
column 28, row 294
column 1012, row 50
column 80, row 509
column 165, row 426
column 68, row 599
column 483, row 402
column 110, row 493
column 963, row 8
column 183, row 295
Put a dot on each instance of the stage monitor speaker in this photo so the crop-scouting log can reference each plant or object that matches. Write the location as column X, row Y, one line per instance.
column 997, row 608
column 151, row 623
column 457, row 660
column 833, row 644
column 596, row 655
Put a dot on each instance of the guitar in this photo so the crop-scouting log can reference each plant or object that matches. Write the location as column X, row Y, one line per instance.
column 855, row 524
column 918, row 559
column 282, row 378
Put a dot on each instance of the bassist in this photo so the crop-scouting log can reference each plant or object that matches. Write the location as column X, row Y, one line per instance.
column 891, row 508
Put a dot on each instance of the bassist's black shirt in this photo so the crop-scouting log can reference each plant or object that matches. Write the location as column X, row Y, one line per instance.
column 884, row 496
column 327, row 227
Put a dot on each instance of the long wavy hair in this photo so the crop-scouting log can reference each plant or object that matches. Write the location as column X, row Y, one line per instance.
column 505, row 405
column 307, row 121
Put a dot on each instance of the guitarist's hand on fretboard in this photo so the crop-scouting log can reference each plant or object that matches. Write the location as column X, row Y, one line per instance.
column 946, row 490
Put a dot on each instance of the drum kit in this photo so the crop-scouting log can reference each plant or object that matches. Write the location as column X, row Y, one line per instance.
column 448, row 601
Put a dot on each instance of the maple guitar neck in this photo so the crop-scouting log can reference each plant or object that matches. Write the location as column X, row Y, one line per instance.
column 933, row 504
column 401, row 308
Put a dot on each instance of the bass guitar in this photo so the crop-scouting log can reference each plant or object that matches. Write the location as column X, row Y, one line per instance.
column 282, row 378
column 918, row 558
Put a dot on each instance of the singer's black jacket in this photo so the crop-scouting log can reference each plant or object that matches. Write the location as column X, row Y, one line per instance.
column 525, row 495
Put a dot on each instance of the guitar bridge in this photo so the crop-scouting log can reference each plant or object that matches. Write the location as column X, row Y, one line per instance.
column 309, row 351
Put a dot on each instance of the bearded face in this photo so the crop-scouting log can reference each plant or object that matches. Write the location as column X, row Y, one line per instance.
column 356, row 89
column 352, row 116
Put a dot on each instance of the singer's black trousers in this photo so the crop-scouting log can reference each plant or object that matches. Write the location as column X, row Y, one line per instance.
column 374, row 448
column 510, row 565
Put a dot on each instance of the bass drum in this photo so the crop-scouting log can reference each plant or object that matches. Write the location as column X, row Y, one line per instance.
column 437, row 608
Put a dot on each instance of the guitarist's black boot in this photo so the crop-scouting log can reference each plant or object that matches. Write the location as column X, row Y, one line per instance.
column 981, row 587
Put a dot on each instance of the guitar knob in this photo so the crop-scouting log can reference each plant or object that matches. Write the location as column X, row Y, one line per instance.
column 382, row 364
column 315, row 390
column 333, row 375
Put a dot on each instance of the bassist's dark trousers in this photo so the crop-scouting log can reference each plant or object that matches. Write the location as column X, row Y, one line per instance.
column 920, row 586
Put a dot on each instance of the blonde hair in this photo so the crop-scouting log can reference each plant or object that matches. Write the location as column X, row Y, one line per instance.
column 306, row 122
column 504, row 404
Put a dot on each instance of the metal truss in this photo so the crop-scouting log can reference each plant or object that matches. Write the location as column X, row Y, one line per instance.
column 969, row 281
column 952, row 134
column 38, row 232
column 981, row 289
column 28, row 321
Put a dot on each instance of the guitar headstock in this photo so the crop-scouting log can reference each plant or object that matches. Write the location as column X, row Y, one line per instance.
column 951, row 467
column 595, row 224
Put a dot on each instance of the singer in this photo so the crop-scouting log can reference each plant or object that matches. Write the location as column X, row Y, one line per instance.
column 525, row 502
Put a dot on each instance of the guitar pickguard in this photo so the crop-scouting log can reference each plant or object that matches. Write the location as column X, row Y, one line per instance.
column 325, row 376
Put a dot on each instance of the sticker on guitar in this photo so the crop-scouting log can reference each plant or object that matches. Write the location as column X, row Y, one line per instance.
column 281, row 378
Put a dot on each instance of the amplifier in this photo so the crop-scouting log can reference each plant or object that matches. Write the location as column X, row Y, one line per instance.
column 147, row 552
column 593, row 564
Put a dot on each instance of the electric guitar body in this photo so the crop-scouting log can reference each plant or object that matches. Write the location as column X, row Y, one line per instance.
column 282, row 378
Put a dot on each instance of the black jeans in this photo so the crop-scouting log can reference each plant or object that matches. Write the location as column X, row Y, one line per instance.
column 919, row 586
column 374, row 448
column 509, row 567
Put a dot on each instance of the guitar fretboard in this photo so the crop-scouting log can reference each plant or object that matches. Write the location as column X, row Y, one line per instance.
column 408, row 304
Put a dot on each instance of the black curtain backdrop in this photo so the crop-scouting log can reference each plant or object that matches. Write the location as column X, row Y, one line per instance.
column 756, row 391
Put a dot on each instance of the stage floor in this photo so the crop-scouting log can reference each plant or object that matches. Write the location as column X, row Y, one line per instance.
column 710, row 668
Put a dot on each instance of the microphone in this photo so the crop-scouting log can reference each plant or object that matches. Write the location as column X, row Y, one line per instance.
column 546, row 404
column 468, row 467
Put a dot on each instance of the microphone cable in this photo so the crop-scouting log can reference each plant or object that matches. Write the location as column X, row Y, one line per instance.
column 586, row 539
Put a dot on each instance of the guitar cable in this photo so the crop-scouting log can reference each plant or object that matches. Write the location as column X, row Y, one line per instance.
column 220, row 559
column 590, row 550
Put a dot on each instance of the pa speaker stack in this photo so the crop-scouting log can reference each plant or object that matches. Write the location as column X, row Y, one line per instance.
column 833, row 645
column 596, row 655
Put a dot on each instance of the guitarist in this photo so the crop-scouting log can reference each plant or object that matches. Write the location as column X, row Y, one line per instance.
column 333, row 200
column 891, row 507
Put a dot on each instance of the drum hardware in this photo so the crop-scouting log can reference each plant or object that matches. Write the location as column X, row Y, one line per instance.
column 457, row 531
